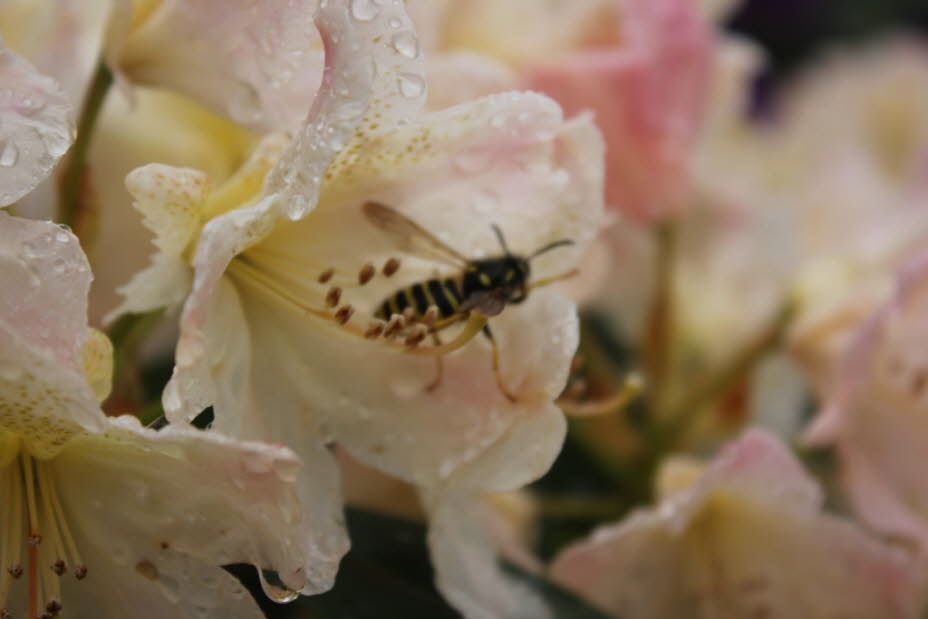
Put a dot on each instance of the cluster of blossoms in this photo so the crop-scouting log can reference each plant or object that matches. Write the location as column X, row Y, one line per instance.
column 372, row 223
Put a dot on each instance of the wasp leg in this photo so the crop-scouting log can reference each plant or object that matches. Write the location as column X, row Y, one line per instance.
column 496, row 372
column 439, row 366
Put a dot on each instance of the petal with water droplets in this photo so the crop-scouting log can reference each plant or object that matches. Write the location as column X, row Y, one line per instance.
column 36, row 128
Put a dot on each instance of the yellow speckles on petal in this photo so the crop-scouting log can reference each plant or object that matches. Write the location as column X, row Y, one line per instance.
column 98, row 363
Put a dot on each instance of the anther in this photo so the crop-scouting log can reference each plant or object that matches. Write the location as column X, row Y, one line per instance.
column 59, row 567
column 375, row 329
column 415, row 338
column 431, row 316
column 326, row 275
column 409, row 314
column 53, row 607
column 391, row 266
column 5, row 614
column 366, row 273
column 344, row 314
column 332, row 296
column 80, row 572
column 396, row 324
column 15, row 571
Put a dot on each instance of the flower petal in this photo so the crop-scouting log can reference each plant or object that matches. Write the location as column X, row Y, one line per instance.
column 43, row 328
column 167, row 585
column 259, row 405
column 170, row 200
column 257, row 63
column 875, row 412
column 467, row 569
column 727, row 546
column 649, row 96
column 181, row 490
column 35, row 117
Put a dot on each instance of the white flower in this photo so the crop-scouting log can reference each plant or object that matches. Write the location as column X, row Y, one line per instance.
column 35, row 126
column 745, row 537
column 99, row 516
column 875, row 412
column 255, row 62
column 259, row 338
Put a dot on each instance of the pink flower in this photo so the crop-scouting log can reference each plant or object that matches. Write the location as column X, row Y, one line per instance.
column 743, row 537
column 876, row 411
column 649, row 94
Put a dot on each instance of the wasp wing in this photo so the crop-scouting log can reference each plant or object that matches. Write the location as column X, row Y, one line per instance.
column 410, row 236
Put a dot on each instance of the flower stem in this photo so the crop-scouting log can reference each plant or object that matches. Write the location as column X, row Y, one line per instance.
column 70, row 184
column 658, row 338
column 127, row 334
column 684, row 412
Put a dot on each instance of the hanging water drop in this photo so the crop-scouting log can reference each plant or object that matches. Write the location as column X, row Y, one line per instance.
column 406, row 44
column 411, row 85
column 364, row 10
column 8, row 155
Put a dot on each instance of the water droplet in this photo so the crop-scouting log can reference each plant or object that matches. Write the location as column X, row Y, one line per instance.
column 498, row 120
column 364, row 10
column 9, row 155
column 59, row 265
column 406, row 44
column 411, row 85
column 276, row 592
column 395, row 22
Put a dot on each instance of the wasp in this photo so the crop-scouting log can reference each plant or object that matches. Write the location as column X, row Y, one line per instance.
column 485, row 285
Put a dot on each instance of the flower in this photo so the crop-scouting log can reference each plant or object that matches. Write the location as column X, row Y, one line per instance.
column 855, row 190
column 280, row 251
column 37, row 128
column 649, row 92
column 255, row 62
column 101, row 516
column 875, row 412
column 743, row 537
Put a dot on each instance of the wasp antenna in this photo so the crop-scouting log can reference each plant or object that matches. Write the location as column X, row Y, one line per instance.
column 550, row 246
column 500, row 237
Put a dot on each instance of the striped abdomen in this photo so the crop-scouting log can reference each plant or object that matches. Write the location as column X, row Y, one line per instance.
column 442, row 293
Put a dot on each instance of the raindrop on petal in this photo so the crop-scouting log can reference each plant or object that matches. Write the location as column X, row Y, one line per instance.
column 411, row 85
column 406, row 44
column 8, row 155
column 364, row 10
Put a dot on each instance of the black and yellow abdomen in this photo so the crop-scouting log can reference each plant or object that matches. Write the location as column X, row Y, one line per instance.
column 444, row 294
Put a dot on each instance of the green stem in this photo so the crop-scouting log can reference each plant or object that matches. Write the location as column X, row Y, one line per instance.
column 684, row 412
column 72, row 176
column 127, row 334
column 659, row 335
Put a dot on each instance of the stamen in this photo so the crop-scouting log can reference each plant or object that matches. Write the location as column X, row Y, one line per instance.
column 431, row 316
column 409, row 314
column 80, row 571
column 375, row 329
column 366, row 273
column 333, row 296
column 397, row 323
column 416, row 336
column 391, row 266
column 15, row 571
column 343, row 314
column 326, row 275
column 34, row 538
